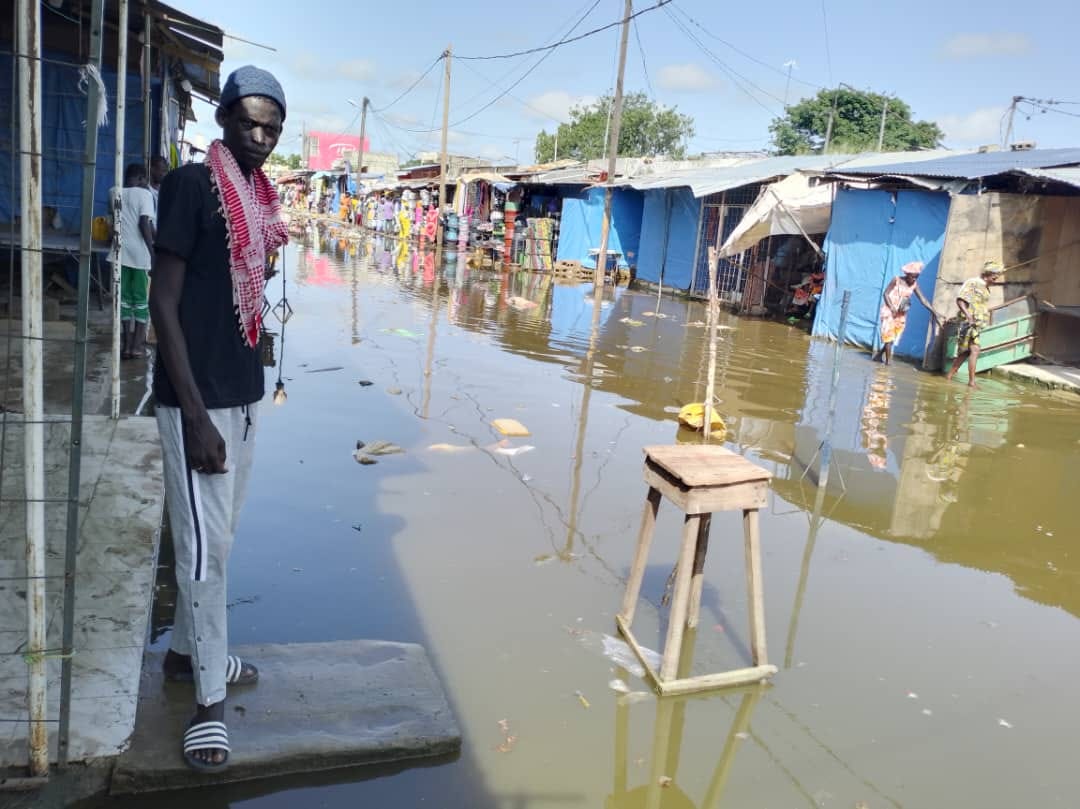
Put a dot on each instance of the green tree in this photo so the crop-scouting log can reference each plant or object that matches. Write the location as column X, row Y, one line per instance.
column 291, row 161
column 856, row 123
column 647, row 129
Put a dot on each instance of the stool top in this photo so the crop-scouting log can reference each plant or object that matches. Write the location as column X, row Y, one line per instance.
column 704, row 464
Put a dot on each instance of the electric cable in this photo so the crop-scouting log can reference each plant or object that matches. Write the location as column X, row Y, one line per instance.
column 411, row 87
column 736, row 78
column 644, row 66
column 567, row 40
column 743, row 53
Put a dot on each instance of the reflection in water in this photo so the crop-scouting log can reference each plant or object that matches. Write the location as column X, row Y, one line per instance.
column 663, row 788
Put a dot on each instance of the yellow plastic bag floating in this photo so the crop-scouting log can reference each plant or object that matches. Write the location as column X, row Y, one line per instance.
column 693, row 417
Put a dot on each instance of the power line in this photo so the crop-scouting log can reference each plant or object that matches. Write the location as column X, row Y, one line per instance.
column 828, row 49
column 743, row 53
column 569, row 39
column 644, row 67
column 731, row 73
column 412, row 86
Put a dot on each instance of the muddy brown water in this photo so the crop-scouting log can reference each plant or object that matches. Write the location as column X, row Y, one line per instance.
column 923, row 611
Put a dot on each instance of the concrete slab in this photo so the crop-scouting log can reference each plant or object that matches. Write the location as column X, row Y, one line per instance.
column 1055, row 377
column 317, row 706
column 121, row 497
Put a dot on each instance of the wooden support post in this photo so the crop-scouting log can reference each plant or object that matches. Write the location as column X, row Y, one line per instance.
column 641, row 556
column 697, row 583
column 681, row 598
column 755, row 592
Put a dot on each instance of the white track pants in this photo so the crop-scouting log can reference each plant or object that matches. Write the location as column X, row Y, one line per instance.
column 203, row 514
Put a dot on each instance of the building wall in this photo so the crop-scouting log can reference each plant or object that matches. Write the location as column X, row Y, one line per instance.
column 1037, row 238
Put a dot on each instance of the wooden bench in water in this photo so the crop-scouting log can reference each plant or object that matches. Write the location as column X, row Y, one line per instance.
column 699, row 479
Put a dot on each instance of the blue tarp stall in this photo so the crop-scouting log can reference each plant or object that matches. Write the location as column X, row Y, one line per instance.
column 63, row 139
column 669, row 230
column 582, row 215
column 872, row 235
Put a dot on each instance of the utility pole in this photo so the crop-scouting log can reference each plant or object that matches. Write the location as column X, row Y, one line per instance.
column 556, row 158
column 363, row 135
column 612, row 155
column 881, row 131
column 447, row 57
column 828, row 128
column 790, row 64
column 1012, row 114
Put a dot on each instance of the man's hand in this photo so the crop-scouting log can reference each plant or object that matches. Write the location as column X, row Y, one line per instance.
column 204, row 446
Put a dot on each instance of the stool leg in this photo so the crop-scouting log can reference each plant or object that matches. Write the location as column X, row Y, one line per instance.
column 697, row 583
column 641, row 556
column 681, row 598
column 755, row 593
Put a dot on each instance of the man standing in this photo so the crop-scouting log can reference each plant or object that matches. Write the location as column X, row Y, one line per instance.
column 974, row 304
column 218, row 223
column 137, row 215
column 159, row 167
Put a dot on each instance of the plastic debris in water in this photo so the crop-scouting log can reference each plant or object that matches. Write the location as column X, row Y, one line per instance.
column 664, row 781
column 912, row 695
column 521, row 304
column 509, row 740
column 581, row 698
column 619, row 653
column 365, row 383
column 619, row 685
column 401, row 333
column 1005, row 723
column 629, row 321
column 394, row 391
column 927, row 712
column 503, row 449
column 638, row 349
column 450, row 448
column 324, row 370
column 382, row 448
column 511, row 427
column 742, row 734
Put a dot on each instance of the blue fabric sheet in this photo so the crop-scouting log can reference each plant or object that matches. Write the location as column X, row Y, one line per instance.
column 63, row 135
column 669, row 237
column 582, row 215
column 872, row 235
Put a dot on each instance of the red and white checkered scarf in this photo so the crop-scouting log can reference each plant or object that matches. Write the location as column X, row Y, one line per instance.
column 256, row 228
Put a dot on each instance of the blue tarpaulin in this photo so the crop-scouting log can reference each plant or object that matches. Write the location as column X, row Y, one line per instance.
column 669, row 237
column 872, row 235
column 582, row 215
column 63, row 140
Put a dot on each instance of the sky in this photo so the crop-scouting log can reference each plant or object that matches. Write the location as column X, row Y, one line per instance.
column 956, row 63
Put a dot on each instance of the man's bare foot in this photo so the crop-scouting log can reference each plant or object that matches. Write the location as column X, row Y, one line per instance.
column 972, row 384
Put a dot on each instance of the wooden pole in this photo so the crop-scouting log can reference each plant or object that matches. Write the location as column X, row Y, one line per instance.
column 29, row 52
column 714, row 316
column 363, row 134
column 147, row 117
column 448, row 56
column 94, row 102
column 613, row 154
column 118, row 183
column 881, row 131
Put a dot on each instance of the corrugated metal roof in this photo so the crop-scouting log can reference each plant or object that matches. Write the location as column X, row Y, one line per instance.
column 1067, row 176
column 703, row 182
column 970, row 166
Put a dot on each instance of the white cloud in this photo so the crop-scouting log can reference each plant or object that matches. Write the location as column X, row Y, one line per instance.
column 977, row 128
column 358, row 70
column 555, row 105
column 975, row 45
column 687, row 78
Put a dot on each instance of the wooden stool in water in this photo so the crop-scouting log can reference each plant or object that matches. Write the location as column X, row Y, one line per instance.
column 699, row 479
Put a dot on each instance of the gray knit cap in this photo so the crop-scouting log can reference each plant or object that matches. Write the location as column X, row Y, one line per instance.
column 252, row 81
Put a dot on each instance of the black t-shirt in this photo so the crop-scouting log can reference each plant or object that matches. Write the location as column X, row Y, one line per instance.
column 190, row 225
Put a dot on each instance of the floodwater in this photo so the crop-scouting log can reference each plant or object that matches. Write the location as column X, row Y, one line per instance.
column 924, row 611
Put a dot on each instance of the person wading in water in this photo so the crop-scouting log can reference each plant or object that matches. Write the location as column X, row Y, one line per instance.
column 218, row 223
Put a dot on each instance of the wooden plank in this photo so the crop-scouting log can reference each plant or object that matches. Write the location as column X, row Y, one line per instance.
column 639, row 653
column 710, row 682
column 704, row 499
column 641, row 555
column 697, row 582
column 705, row 464
column 680, row 599
column 755, row 591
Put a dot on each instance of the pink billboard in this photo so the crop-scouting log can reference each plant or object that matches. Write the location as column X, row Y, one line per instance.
column 325, row 149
